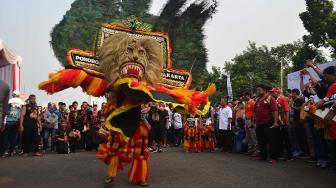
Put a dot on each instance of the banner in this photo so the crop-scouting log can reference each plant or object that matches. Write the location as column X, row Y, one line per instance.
column 229, row 87
column 293, row 79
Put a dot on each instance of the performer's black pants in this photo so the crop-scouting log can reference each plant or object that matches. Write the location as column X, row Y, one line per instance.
column 226, row 139
column 270, row 137
column 30, row 138
column 285, row 143
column 301, row 135
column 88, row 139
column 217, row 139
column 178, row 136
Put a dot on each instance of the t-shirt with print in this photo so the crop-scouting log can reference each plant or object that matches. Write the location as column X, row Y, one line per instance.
column 264, row 109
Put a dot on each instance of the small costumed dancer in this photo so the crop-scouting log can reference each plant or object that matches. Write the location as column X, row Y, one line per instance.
column 192, row 138
column 207, row 135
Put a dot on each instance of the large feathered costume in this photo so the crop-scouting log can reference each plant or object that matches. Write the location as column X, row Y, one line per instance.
column 132, row 65
column 129, row 69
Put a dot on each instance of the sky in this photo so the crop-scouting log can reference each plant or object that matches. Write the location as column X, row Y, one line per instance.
column 25, row 27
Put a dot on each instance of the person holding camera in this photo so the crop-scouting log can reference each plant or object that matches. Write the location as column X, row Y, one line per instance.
column 62, row 138
column 50, row 126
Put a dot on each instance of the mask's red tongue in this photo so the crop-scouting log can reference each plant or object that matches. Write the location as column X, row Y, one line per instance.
column 133, row 72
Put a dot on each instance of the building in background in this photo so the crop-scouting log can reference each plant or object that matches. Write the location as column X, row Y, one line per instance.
column 10, row 67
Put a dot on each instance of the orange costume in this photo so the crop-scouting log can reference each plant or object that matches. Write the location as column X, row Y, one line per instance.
column 129, row 68
column 192, row 136
column 207, row 136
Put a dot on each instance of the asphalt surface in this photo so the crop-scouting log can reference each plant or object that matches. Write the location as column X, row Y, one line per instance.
column 172, row 168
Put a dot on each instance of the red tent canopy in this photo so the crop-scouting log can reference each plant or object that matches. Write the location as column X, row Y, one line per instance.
column 9, row 67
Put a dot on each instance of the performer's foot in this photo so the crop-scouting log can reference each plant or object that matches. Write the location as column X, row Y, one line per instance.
column 143, row 184
column 108, row 180
column 37, row 154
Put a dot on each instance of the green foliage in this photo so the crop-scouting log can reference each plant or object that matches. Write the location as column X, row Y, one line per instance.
column 262, row 65
column 184, row 25
column 253, row 66
column 185, row 29
column 320, row 21
column 304, row 53
column 78, row 27
column 217, row 77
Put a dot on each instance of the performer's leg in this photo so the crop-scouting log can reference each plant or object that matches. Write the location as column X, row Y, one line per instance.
column 186, row 142
column 139, row 172
column 211, row 139
column 108, row 153
column 199, row 143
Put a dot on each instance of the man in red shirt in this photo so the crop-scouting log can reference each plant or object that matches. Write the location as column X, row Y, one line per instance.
column 251, row 136
column 283, row 109
column 330, row 77
column 267, row 127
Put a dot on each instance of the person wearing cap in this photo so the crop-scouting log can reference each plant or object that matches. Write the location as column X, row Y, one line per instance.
column 16, row 100
column 283, row 108
column 12, row 123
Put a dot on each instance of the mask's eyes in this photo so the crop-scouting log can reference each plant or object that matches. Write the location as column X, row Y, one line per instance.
column 130, row 50
column 141, row 52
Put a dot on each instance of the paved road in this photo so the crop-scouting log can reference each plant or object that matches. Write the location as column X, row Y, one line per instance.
column 172, row 168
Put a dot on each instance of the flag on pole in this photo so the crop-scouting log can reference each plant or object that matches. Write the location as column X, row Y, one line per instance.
column 229, row 87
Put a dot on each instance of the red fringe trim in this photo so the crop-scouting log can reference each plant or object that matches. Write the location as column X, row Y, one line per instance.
column 67, row 78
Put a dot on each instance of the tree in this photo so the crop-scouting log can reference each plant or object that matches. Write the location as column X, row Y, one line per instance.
column 304, row 53
column 257, row 65
column 320, row 21
column 184, row 25
column 253, row 66
column 217, row 77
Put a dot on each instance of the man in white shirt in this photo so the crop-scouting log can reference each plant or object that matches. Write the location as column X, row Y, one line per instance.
column 177, row 124
column 225, row 119
column 169, row 130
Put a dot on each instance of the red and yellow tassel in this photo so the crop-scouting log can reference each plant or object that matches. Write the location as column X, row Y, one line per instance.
column 139, row 172
column 67, row 78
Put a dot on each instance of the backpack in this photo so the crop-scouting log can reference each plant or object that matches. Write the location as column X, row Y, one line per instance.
column 14, row 114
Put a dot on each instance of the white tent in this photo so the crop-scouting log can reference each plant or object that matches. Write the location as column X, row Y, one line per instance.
column 10, row 64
